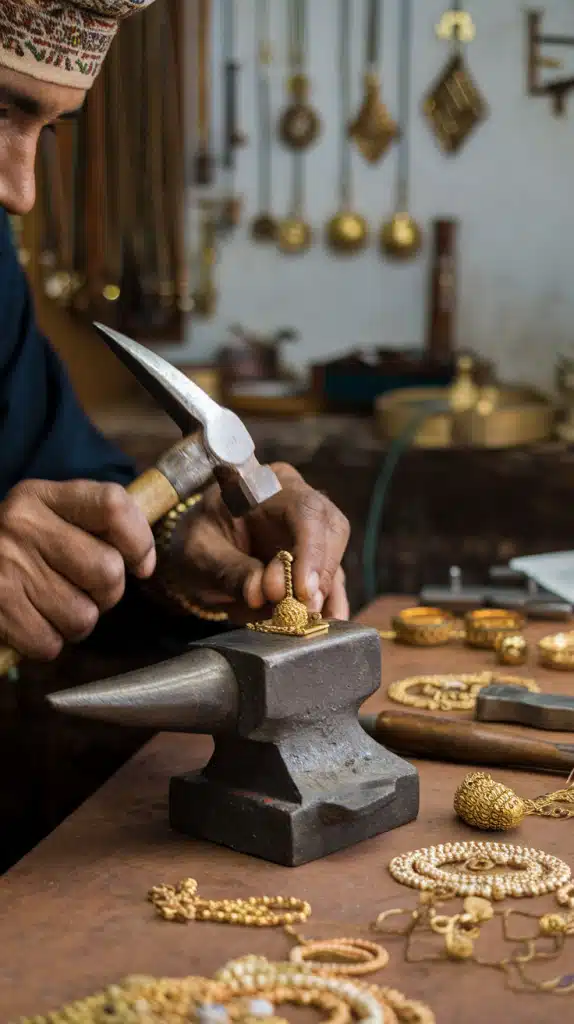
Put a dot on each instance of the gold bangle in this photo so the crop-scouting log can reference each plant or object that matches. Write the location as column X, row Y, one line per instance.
column 557, row 651
column 166, row 580
column 424, row 627
column 485, row 626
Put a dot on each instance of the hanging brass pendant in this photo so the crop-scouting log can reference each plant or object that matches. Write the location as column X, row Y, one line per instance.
column 401, row 237
column 294, row 235
column 347, row 232
column 454, row 107
column 299, row 125
column 373, row 129
column 264, row 228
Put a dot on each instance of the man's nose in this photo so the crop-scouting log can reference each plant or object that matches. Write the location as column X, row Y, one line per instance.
column 17, row 179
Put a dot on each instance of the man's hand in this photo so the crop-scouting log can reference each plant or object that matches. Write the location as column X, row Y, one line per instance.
column 64, row 550
column 231, row 563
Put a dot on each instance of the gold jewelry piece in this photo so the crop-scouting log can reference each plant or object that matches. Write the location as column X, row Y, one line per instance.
column 167, row 580
column 535, row 872
column 366, row 957
column 459, row 932
column 424, row 627
column 450, row 692
column 557, row 651
column 181, row 902
column 245, row 991
column 511, row 650
column 565, row 896
column 484, row 803
column 485, row 626
column 290, row 616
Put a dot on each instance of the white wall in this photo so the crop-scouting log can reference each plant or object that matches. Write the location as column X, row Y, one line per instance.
column 512, row 187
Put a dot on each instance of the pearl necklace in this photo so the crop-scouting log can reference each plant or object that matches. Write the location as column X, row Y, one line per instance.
column 536, row 872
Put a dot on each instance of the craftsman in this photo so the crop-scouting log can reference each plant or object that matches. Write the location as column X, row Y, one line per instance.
column 69, row 532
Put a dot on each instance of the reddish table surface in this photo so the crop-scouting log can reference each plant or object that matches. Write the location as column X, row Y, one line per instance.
column 74, row 916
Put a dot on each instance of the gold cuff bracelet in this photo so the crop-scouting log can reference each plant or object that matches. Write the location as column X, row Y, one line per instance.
column 485, row 627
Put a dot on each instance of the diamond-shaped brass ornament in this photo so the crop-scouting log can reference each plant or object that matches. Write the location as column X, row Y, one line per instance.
column 454, row 106
column 373, row 129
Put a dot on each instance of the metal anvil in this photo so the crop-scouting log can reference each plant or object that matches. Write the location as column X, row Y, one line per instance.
column 293, row 776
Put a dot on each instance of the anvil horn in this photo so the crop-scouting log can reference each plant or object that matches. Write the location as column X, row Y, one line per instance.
column 195, row 692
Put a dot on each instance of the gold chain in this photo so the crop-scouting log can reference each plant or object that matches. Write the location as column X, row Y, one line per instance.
column 182, row 902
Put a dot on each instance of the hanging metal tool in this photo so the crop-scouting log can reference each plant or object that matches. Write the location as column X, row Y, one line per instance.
column 557, row 90
column 373, row 129
column 294, row 233
column 264, row 225
column 347, row 231
column 205, row 296
column 232, row 137
column 204, row 169
column 454, row 107
column 401, row 236
column 299, row 125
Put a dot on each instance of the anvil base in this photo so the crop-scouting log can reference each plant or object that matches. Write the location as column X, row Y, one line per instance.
column 292, row 834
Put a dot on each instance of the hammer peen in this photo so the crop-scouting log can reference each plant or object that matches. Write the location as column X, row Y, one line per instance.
column 215, row 443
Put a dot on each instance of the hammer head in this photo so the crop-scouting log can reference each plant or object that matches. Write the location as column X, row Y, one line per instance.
column 227, row 445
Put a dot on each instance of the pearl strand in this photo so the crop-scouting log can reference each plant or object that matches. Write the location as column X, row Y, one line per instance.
column 537, row 873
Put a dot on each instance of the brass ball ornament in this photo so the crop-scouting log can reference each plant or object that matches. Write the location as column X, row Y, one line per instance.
column 264, row 228
column 401, row 237
column 347, row 232
column 294, row 235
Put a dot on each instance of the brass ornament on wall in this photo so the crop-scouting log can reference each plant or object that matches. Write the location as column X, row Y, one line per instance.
column 373, row 129
column 299, row 124
column 454, row 106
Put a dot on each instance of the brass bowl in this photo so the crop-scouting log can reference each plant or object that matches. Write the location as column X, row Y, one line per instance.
column 424, row 627
column 557, row 651
column 486, row 626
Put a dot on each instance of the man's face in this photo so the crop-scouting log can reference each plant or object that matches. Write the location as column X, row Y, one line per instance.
column 27, row 107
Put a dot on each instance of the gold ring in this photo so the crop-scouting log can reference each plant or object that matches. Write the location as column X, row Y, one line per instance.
column 424, row 627
column 557, row 651
column 485, row 626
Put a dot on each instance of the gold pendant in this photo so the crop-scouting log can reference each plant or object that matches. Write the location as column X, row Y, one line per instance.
column 454, row 106
column 290, row 616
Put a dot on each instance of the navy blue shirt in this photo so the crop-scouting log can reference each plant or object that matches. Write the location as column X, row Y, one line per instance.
column 46, row 435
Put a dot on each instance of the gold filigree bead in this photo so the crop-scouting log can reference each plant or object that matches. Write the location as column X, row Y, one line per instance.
column 290, row 616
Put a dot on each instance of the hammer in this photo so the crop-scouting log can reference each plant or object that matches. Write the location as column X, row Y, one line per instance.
column 215, row 443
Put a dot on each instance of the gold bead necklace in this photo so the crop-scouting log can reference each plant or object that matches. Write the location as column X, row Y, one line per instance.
column 182, row 903
column 245, row 991
column 450, row 692
column 534, row 872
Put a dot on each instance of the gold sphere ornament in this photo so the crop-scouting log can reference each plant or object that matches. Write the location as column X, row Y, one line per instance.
column 263, row 228
column 347, row 232
column 511, row 650
column 484, row 803
column 294, row 235
column 290, row 616
column 401, row 237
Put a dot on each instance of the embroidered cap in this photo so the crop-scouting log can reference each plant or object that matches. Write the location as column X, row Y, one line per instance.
column 64, row 43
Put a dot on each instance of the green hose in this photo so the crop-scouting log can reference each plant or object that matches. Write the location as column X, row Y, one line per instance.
column 379, row 494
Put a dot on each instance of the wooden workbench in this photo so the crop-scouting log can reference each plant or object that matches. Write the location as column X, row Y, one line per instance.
column 74, row 916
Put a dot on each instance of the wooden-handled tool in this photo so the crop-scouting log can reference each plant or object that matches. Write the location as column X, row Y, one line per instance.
column 443, row 739
column 215, row 443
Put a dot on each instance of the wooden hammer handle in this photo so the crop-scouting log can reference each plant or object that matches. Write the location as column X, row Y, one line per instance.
column 155, row 496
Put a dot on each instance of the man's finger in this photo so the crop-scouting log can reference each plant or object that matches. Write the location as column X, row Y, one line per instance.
column 221, row 570
column 106, row 510
column 337, row 604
